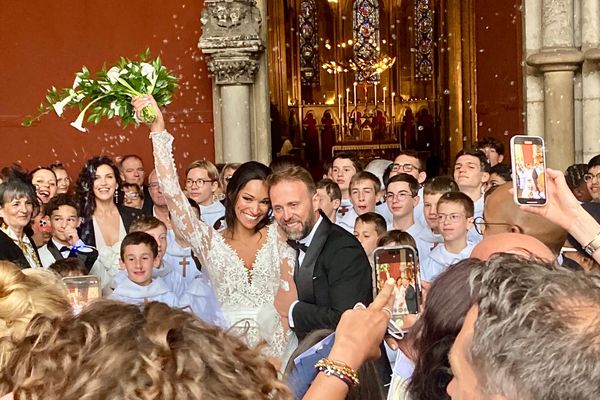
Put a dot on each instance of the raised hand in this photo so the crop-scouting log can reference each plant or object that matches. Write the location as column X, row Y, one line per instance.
column 140, row 102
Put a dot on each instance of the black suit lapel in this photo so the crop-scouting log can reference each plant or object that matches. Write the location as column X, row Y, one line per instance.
column 53, row 250
column 304, row 278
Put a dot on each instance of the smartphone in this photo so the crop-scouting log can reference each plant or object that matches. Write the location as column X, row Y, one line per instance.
column 400, row 263
column 81, row 290
column 304, row 371
column 529, row 170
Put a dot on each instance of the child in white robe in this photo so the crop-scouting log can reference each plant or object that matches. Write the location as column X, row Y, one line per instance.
column 455, row 216
column 139, row 256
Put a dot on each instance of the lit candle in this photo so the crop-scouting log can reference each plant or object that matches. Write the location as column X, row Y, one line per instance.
column 375, row 92
column 355, row 85
column 393, row 104
column 384, row 90
column 347, row 105
column 340, row 109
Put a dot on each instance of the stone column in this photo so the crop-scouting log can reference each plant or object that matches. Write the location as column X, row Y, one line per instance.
column 590, row 43
column 534, row 80
column 231, row 39
column 557, row 60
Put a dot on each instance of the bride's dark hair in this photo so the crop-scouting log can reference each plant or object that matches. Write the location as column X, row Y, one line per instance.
column 248, row 171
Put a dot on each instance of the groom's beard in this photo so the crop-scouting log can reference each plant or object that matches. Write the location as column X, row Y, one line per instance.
column 301, row 233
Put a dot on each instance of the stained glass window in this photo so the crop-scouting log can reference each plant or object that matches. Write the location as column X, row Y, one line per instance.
column 424, row 40
column 365, row 23
column 309, row 46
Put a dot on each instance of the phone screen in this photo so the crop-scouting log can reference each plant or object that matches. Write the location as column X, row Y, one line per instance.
column 529, row 168
column 400, row 263
column 81, row 290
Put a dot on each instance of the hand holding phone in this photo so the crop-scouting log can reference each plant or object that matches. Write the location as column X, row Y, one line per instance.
column 529, row 170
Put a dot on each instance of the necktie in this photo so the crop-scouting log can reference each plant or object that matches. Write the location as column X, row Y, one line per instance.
column 296, row 245
column 64, row 248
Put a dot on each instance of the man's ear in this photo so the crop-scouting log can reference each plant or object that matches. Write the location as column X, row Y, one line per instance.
column 79, row 219
column 422, row 177
column 214, row 186
column 500, row 158
column 470, row 222
column 416, row 200
column 336, row 203
column 156, row 262
column 122, row 264
column 315, row 201
column 516, row 229
column 485, row 177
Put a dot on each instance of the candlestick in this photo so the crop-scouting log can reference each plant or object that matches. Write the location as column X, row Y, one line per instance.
column 355, row 85
column 375, row 92
column 340, row 110
column 366, row 90
column 393, row 104
column 384, row 90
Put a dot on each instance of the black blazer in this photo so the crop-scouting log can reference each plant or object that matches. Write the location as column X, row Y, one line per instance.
column 86, row 229
column 10, row 251
column 335, row 275
column 87, row 258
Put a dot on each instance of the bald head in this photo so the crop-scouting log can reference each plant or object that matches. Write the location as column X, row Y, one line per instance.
column 513, row 243
column 500, row 209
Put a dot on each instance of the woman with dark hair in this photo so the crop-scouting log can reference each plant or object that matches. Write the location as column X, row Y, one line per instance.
column 18, row 204
column 44, row 181
column 249, row 263
column 422, row 370
column 104, row 222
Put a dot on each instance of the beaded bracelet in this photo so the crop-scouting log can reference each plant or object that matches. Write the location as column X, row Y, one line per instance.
column 338, row 369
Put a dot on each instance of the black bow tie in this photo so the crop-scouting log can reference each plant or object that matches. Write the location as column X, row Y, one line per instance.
column 64, row 248
column 296, row 245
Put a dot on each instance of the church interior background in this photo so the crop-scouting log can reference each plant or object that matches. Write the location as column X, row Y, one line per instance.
column 370, row 76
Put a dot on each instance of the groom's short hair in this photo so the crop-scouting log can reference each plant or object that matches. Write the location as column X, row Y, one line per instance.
column 294, row 173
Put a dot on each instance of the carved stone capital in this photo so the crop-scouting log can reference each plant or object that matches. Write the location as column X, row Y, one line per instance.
column 558, row 59
column 231, row 68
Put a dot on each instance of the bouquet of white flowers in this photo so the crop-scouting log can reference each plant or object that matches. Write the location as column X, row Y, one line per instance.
column 109, row 94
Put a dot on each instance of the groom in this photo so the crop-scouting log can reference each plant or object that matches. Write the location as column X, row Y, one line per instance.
column 332, row 271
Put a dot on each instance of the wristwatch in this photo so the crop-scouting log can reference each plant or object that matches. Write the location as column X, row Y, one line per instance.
column 593, row 245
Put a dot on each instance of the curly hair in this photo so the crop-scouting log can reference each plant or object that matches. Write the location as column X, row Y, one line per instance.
column 24, row 294
column 114, row 350
column 85, row 184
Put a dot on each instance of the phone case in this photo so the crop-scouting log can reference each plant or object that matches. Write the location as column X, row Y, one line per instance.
column 528, row 161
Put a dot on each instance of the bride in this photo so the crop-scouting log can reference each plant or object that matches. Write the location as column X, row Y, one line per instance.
column 249, row 264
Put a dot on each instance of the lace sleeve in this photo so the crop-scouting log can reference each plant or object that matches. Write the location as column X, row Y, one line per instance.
column 195, row 232
column 287, row 264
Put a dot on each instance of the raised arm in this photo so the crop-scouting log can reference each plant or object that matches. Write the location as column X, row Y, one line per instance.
column 195, row 232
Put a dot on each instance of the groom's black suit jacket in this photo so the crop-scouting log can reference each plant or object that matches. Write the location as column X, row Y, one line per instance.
column 335, row 274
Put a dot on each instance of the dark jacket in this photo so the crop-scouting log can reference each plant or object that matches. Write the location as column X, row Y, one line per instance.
column 10, row 251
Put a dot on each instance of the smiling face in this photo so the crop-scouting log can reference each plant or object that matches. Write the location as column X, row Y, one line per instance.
column 44, row 181
column 402, row 203
column 105, row 183
column 62, row 180
column 294, row 208
column 468, row 173
column 17, row 213
column 131, row 198
column 363, row 196
column 252, row 203
column 593, row 184
column 200, row 187
column 139, row 262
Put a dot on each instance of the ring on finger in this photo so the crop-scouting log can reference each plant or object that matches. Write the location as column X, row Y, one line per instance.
column 387, row 310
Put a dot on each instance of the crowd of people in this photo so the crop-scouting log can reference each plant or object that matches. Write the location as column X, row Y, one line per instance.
column 223, row 287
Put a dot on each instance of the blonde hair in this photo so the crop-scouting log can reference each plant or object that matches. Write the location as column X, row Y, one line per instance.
column 210, row 168
column 23, row 295
column 122, row 351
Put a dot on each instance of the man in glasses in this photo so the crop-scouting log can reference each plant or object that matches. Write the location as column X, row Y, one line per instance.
column 132, row 170
column 592, row 178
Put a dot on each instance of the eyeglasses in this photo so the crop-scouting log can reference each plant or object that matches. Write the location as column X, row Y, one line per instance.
column 401, row 196
column 481, row 224
column 590, row 177
column 452, row 218
column 198, row 182
column 228, row 178
column 404, row 167
column 153, row 185
column 131, row 196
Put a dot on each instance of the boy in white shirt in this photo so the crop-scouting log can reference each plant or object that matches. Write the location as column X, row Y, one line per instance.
column 401, row 198
column 432, row 191
column 455, row 218
column 139, row 257
column 201, row 185
column 330, row 197
column 343, row 168
column 368, row 228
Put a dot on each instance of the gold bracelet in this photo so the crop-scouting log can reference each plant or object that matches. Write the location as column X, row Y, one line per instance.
column 338, row 369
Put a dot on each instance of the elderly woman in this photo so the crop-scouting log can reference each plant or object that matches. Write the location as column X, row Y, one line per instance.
column 18, row 202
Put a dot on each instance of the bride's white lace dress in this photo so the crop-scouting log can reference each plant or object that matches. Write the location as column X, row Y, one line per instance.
column 246, row 295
